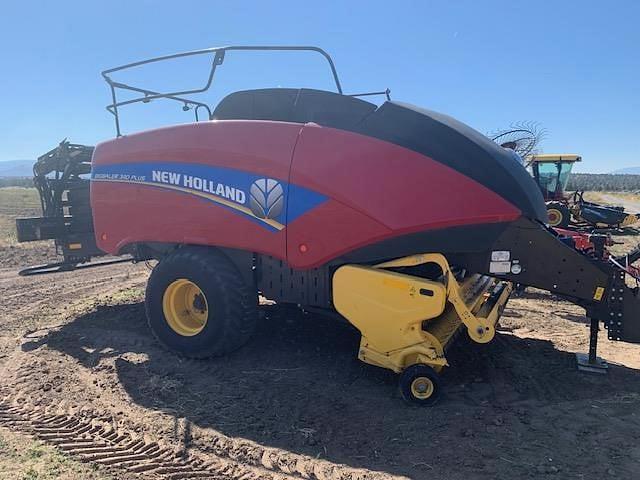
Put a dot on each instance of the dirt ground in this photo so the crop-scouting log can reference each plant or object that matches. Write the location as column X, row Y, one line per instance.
column 296, row 403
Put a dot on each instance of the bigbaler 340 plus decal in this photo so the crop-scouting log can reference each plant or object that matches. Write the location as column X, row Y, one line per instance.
column 406, row 222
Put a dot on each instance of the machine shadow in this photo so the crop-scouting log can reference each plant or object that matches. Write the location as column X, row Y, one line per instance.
column 297, row 384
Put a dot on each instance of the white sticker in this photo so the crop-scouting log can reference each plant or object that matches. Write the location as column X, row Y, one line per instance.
column 500, row 256
column 516, row 268
column 499, row 267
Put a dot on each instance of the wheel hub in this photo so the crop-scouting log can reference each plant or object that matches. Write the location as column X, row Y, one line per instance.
column 185, row 307
column 555, row 217
column 422, row 387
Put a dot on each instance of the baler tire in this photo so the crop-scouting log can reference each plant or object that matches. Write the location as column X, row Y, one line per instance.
column 420, row 373
column 230, row 304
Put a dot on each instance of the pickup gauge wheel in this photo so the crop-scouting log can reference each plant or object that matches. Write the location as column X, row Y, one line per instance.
column 420, row 385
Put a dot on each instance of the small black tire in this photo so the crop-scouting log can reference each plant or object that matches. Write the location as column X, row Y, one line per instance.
column 229, row 314
column 558, row 214
column 420, row 385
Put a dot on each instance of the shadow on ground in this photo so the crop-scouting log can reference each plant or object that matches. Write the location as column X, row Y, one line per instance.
column 298, row 386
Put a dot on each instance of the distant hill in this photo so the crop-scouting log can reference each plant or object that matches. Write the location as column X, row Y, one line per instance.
column 17, row 168
column 628, row 171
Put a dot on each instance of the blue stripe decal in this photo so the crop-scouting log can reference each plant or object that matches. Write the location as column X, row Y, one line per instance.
column 261, row 199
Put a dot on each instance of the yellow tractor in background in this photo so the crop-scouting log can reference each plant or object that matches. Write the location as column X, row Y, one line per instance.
column 551, row 172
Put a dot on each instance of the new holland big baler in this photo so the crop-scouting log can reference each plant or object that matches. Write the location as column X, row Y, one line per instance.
column 404, row 221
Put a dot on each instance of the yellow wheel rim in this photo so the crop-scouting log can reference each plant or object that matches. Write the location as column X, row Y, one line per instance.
column 555, row 216
column 422, row 388
column 185, row 307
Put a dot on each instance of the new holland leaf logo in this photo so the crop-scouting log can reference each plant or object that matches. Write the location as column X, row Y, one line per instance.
column 266, row 198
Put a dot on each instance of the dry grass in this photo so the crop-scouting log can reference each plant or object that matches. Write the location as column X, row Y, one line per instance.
column 632, row 197
column 593, row 197
column 16, row 202
column 604, row 197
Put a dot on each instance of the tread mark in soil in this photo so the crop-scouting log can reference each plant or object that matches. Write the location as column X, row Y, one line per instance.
column 91, row 441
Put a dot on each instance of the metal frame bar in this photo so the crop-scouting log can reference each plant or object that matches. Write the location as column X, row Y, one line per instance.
column 218, row 59
column 386, row 93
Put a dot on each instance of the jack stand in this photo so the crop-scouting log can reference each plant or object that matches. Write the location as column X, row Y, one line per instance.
column 592, row 363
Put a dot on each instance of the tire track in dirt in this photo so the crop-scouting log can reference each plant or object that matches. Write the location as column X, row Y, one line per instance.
column 30, row 293
column 93, row 440
column 37, row 302
column 95, row 436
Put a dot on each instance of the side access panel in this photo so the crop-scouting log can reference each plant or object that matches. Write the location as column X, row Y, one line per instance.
column 222, row 183
column 376, row 190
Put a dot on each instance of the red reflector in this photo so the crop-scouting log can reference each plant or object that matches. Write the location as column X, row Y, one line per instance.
column 303, row 248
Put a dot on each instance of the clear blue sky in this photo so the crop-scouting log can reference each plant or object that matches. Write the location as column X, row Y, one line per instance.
column 573, row 66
